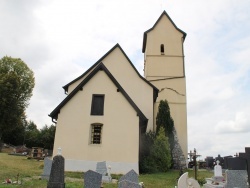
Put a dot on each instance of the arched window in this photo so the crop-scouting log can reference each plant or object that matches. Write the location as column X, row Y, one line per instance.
column 162, row 49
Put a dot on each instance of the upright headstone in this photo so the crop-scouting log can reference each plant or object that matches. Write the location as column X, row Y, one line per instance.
column 236, row 178
column 246, row 156
column 218, row 173
column 130, row 176
column 129, row 180
column 182, row 181
column 220, row 159
column 101, row 168
column 46, row 168
column 209, row 162
column 235, row 163
column 92, row 179
column 56, row 179
column 226, row 161
column 185, row 182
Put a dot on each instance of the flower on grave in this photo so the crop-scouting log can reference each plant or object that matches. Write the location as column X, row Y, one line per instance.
column 8, row 181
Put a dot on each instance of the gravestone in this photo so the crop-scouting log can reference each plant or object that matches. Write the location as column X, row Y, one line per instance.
column 130, row 176
column 246, row 156
column 209, row 162
column 92, row 179
column 56, row 179
column 101, row 168
column 185, row 182
column 220, row 159
column 217, row 169
column 217, row 181
column 226, row 161
column 46, row 168
column 129, row 180
column 236, row 178
column 235, row 163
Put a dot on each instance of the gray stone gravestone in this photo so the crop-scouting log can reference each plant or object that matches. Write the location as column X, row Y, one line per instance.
column 56, row 179
column 46, row 168
column 101, row 168
column 236, row 178
column 92, row 179
column 128, row 184
column 129, row 180
column 130, row 176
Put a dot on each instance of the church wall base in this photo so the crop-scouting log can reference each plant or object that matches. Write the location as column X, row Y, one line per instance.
column 116, row 167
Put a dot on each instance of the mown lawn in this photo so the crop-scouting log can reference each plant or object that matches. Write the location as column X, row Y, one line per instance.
column 30, row 170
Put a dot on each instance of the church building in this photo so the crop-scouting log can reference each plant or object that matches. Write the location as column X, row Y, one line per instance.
column 110, row 106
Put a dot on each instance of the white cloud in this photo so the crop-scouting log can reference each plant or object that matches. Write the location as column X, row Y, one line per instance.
column 240, row 123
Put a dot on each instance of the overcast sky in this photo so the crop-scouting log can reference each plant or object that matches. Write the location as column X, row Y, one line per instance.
column 60, row 39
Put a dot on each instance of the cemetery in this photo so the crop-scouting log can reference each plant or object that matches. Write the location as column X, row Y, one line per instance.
column 233, row 173
column 111, row 154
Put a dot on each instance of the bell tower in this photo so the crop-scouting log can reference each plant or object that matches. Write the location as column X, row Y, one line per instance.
column 164, row 68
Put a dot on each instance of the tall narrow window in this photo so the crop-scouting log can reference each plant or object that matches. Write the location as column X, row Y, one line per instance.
column 162, row 49
column 97, row 105
column 96, row 133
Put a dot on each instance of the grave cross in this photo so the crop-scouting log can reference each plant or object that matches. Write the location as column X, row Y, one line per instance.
column 194, row 156
column 246, row 156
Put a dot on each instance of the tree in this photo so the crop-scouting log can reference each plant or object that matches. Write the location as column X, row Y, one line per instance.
column 47, row 136
column 161, row 152
column 164, row 119
column 156, row 156
column 31, row 135
column 16, row 86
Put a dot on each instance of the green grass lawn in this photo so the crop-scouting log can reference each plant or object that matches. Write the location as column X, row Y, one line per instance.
column 29, row 171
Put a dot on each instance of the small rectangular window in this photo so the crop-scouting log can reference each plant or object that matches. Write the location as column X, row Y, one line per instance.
column 97, row 106
column 96, row 133
column 162, row 49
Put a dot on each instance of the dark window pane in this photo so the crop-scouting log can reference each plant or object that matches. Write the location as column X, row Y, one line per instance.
column 97, row 105
column 162, row 49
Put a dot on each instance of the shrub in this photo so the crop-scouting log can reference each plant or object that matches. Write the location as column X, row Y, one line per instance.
column 157, row 157
column 161, row 152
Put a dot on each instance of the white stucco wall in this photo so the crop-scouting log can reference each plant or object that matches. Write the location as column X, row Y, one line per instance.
column 120, row 133
column 140, row 92
column 137, row 89
column 160, row 67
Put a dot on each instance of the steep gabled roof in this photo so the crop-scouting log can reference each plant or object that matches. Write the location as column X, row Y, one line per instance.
column 101, row 66
column 100, row 60
column 146, row 32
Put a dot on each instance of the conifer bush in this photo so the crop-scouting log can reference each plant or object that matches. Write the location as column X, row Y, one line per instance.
column 157, row 157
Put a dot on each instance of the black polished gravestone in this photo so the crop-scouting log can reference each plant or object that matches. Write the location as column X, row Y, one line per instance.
column 56, row 179
column 235, row 163
column 246, row 156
